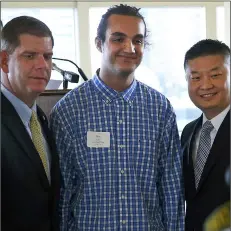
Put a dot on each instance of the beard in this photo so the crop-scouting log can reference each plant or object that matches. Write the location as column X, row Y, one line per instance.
column 124, row 72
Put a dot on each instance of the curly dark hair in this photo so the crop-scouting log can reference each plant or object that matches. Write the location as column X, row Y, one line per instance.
column 121, row 9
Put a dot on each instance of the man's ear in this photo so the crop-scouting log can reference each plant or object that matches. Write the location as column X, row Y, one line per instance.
column 4, row 61
column 98, row 44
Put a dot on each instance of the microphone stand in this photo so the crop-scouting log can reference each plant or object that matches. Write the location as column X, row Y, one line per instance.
column 79, row 69
column 72, row 77
column 65, row 82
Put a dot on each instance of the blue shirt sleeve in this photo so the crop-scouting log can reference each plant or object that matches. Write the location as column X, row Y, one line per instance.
column 64, row 144
column 171, row 177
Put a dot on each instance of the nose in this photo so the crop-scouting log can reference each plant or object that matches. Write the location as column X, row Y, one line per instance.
column 41, row 62
column 129, row 47
column 206, row 82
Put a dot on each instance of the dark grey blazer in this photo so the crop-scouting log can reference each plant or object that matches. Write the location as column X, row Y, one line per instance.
column 212, row 190
column 28, row 201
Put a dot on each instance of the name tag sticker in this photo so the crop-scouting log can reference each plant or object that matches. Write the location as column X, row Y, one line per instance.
column 98, row 139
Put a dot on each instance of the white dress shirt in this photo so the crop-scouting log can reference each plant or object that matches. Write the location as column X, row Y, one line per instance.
column 216, row 122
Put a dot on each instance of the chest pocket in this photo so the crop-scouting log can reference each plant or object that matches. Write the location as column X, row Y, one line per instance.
column 143, row 154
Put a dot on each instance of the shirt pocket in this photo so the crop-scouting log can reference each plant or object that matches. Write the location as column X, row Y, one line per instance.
column 143, row 154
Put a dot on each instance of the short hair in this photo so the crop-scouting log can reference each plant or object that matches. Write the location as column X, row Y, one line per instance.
column 121, row 9
column 207, row 47
column 22, row 25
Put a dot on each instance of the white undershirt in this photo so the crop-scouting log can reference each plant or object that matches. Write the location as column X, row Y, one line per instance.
column 216, row 122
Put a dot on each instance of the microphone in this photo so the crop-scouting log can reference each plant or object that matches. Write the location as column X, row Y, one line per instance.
column 79, row 69
column 54, row 67
column 67, row 75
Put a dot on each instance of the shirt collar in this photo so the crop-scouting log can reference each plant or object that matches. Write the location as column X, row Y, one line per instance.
column 108, row 94
column 217, row 120
column 21, row 108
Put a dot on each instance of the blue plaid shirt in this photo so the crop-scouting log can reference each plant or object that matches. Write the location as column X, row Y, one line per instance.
column 136, row 182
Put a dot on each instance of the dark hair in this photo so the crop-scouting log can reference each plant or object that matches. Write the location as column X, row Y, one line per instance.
column 120, row 10
column 206, row 47
column 22, row 25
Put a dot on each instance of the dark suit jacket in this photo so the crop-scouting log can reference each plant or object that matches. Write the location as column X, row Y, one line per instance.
column 212, row 190
column 28, row 201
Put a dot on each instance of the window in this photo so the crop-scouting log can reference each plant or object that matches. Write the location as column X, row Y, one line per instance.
column 162, row 65
column 174, row 27
column 220, row 23
column 63, row 29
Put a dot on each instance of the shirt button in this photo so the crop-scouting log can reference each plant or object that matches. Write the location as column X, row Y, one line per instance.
column 122, row 171
column 124, row 222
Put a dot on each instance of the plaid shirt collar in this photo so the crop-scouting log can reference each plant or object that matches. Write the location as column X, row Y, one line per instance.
column 108, row 94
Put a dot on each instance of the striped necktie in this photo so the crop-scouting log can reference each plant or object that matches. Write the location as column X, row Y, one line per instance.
column 203, row 150
column 37, row 139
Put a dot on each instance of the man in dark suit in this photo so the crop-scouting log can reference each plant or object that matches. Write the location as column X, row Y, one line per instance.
column 29, row 164
column 206, row 140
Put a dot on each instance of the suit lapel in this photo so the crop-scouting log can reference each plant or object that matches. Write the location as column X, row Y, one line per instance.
column 54, row 165
column 189, row 151
column 13, row 122
column 191, row 138
column 221, row 142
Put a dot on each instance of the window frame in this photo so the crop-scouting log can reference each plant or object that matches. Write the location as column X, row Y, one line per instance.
column 83, row 7
column 82, row 31
column 83, row 52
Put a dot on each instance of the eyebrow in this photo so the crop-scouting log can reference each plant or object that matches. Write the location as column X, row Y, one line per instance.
column 124, row 35
column 213, row 69
column 34, row 52
column 194, row 72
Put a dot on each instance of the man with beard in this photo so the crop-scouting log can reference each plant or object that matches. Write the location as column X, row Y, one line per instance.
column 118, row 141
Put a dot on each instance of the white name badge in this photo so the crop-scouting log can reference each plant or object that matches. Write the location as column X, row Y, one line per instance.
column 98, row 139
